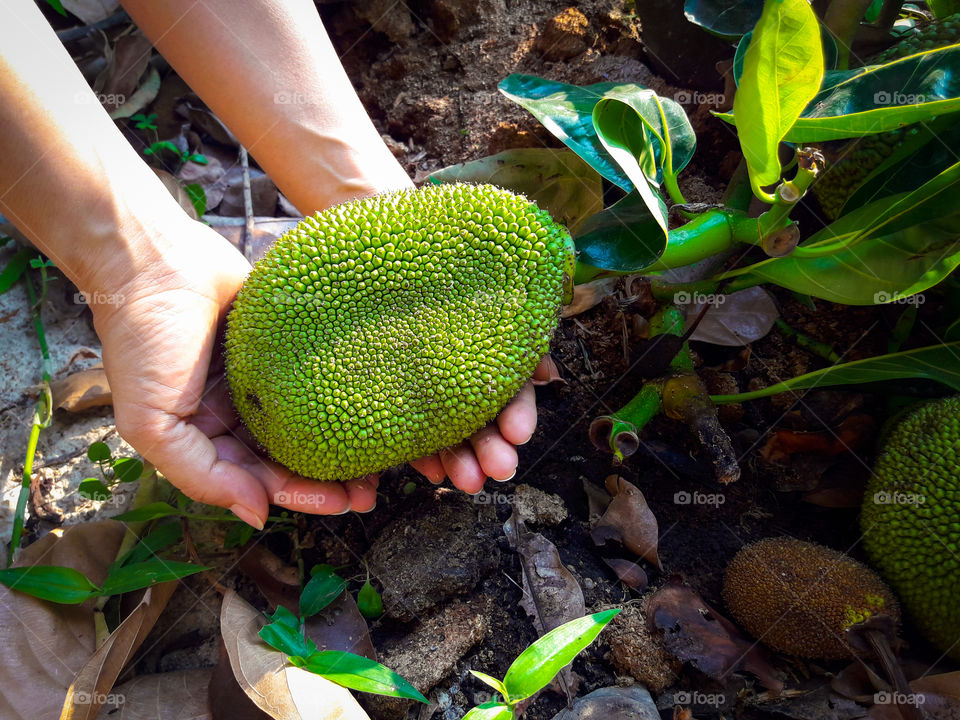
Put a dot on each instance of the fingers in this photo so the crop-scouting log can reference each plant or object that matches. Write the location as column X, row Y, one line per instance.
column 496, row 456
column 518, row 420
column 431, row 468
column 460, row 463
column 362, row 493
column 215, row 414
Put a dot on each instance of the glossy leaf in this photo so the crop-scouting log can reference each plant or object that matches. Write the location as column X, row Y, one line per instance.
column 98, row 452
column 144, row 574
column 559, row 181
column 369, row 601
column 538, row 664
column 490, row 711
column 323, row 587
column 727, row 18
column 127, row 469
column 358, row 673
column 148, row 512
column 830, row 53
column 285, row 634
column 936, row 362
column 160, row 538
column 93, row 489
column 198, row 197
column 943, row 8
column 624, row 237
column 492, row 682
column 50, row 582
column 782, row 71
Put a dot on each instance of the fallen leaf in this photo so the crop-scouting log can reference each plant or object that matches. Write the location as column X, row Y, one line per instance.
column 126, row 63
column 180, row 695
column 174, row 187
column 586, row 295
column 44, row 645
column 630, row 574
column 208, row 177
column 91, row 11
column 553, row 372
column 629, row 520
column 262, row 191
column 848, row 436
column 202, row 119
column 89, row 690
column 696, row 633
column 857, row 681
column 732, row 320
column 281, row 690
column 265, row 232
column 612, row 703
column 598, row 501
column 82, row 390
column 141, row 97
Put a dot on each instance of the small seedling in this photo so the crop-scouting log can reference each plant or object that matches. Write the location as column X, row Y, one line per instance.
column 536, row 666
column 183, row 156
column 112, row 470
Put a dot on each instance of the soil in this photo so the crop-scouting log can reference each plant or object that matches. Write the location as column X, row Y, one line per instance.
column 427, row 72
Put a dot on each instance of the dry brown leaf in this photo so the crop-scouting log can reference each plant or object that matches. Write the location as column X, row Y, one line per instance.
column 180, row 695
column 174, row 187
column 208, row 177
column 125, row 64
column 696, row 633
column 586, row 295
column 551, row 374
column 612, row 703
column 630, row 574
column 141, row 97
column 262, row 191
column 91, row 11
column 282, row 691
column 265, row 232
column 89, row 690
column 82, row 390
column 629, row 520
column 735, row 319
column 42, row 644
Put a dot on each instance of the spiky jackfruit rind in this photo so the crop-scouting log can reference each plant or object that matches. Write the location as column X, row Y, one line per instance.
column 799, row 597
column 386, row 329
column 911, row 518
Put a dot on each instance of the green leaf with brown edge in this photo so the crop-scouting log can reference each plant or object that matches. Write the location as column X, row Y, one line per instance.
column 935, row 362
column 358, row 673
column 50, row 582
column 144, row 574
column 559, row 181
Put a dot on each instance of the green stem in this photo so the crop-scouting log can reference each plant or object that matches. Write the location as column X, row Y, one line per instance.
column 805, row 341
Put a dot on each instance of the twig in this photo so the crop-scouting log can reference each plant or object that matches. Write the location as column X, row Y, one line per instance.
column 247, row 240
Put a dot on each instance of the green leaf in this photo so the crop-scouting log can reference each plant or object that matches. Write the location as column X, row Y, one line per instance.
column 50, row 582
column 943, row 8
column 98, row 452
column 15, row 269
column 127, row 469
column 559, row 181
column 148, row 512
column 624, row 237
column 490, row 711
column 369, row 601
column 162, row 537
column 286, row 635
column 197, row 158
column 144, row 574
column 321, row 589
column 237, row 534
column 538, row 664
column 93, row 489
column 198, row 197
column 727, row 18
column 492, row 682
column 359, row 673
column 936, row 362
column 782, row 71
column 58, row 6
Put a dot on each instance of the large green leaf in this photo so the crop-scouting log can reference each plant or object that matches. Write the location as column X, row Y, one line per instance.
column 726, row 18
column 538, row 664
column 943, row 8
column 359, row 673
column 782, row 71
column 936, row 362
column 624, row 237
column 50, row 582
column 559, row 181
column 144, row 574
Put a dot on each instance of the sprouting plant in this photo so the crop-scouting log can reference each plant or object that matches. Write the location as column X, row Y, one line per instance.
column 536, row 666
column 161, row 147
column 112, row 471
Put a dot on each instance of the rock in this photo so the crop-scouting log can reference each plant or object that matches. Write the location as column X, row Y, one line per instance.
column 430, row 653
column 565, row 36
column 636, row 652
column 536, row 506
column 448, row 17
column 385, row 16
column 612, row 703
column 431, row 554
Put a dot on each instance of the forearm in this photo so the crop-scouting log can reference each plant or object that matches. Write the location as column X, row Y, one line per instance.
column 269, row 71
column 68, row 178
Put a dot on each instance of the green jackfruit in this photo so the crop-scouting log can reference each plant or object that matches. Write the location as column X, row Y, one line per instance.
column 911, row 518
column 849, row 162
column 385, row 329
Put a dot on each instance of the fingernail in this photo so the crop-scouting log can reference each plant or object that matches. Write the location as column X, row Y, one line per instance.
column 512, row 476
column 342, row 512
column 247, row 515
column 524, row 443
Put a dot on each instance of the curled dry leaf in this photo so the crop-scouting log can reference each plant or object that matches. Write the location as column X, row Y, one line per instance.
column 938, row 696
column 552, row 372
column 82, row 390
column 612, row 703
column 586, row 295
column 208, row 177
column 742, row 317
column 280, row 690
column 628, row 520
column 141, row 97
column 89, row 690
column 126, row 63
column 180, row 695
column 696, row 633
column 44, row 645
column 630, row 574
column 91, row 11
column 849, row 435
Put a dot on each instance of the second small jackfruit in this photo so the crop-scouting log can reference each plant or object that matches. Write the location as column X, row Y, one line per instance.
column 386, row 329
